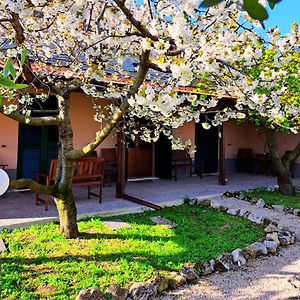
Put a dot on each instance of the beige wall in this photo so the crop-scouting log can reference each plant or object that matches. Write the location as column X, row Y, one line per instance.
column 83, row 123
column 84, row 129
column 8, row 142
column 246, row 135
column 186, row 132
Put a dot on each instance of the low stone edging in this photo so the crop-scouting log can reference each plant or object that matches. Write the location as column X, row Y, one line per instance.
column 261, row 203
column 275, row 237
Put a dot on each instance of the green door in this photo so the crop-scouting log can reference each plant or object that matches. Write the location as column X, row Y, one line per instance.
column 37, row 146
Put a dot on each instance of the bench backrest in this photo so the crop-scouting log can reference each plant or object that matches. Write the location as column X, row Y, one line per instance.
column 84, row 167
column 180, row 155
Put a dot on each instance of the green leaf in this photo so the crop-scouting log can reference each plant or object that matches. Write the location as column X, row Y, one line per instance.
column 255, row 10
column 1, row 102
column 272, row 3
column 9, row 69
column 9, row 84
column 20, row 86
column 23, row 56
column 209, row 3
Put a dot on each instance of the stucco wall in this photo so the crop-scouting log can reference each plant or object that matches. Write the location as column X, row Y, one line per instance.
column 8, row 142
column 84, row 129
column 83, row 123
column 246, row 135
column 186, row 132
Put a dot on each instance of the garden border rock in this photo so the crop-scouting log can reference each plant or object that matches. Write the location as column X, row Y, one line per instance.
column 268, row 245
column 261, row 203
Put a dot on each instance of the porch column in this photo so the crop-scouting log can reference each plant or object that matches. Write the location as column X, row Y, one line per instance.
column 121, row 148
column 222, row 176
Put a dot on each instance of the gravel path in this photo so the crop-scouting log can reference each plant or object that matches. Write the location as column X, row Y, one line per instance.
column 270, row 277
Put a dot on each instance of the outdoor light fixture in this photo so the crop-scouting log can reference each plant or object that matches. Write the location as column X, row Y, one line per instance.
column 4, row 182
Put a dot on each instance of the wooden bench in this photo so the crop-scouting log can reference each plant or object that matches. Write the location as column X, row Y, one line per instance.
column 181, row 158
column 88, row 172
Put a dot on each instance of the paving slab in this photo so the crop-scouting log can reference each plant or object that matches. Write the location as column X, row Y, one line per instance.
column 116, row 224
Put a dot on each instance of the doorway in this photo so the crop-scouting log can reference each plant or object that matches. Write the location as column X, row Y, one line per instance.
column 37, row 145
column 207, row 153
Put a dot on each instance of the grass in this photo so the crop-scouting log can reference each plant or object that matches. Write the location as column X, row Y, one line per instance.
column 41, row 264
column 274, row 197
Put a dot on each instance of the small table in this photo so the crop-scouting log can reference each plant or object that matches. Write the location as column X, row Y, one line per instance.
column 3, row 166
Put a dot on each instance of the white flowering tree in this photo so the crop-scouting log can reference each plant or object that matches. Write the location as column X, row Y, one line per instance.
column 264, row 78
column 71, row 45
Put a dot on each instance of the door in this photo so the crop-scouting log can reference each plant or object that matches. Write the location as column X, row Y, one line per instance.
column 37, row 144
column 139, row 160
column 206, row 156
column 163, row 158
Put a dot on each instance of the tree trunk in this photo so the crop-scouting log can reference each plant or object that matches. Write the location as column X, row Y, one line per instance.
column 67, row 215
column 285, row 182
column 281, row 165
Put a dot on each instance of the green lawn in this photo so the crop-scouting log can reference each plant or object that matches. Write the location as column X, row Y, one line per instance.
column 274, row 197
column 41, row 264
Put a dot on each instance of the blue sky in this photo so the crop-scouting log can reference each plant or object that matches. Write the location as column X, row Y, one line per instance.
column 284, row 13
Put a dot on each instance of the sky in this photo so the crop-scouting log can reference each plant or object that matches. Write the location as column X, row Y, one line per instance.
column 284, row 13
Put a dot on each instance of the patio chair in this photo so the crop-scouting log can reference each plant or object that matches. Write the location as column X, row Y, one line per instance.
column 180, row 159
column 110, row 158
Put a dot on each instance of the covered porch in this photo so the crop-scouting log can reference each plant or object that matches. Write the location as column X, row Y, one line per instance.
column 18, row 209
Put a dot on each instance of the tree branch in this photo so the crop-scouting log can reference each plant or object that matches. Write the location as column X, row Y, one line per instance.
column 137, row 24
column 34, row 121
column 157, row 68
column 32, row 185
column 290, row 156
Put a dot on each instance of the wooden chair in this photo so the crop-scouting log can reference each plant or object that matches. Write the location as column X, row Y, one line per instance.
column 181, row 158
column 110, row 158
column 88, row 172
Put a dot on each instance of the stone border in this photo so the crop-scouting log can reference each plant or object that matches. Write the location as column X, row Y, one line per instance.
column 261, row 203
column 275, row 237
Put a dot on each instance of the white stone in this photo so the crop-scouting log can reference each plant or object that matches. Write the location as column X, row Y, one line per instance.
column 271, row 228
column 271, row 246
column 238, row 257
column 260, row 203
column 2, row 246
column 243, row 212
column 215, row 204
column 278, row 208
column 259, row 247
column 163, row 221
column 255, row 219
column 273, row 237
column 233, row 211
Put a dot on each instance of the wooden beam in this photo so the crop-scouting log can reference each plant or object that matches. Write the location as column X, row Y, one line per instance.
column 121, row 147
column 141, row 202
column 222, row 176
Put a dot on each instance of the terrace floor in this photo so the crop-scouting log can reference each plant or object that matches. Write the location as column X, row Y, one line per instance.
column 18, row 209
